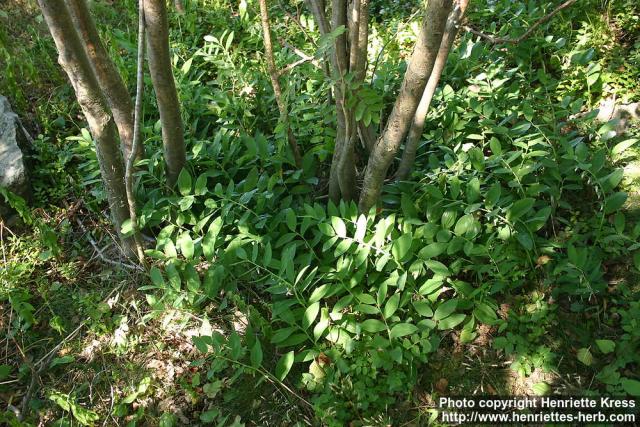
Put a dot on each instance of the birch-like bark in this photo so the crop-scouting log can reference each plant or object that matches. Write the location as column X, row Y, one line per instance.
column 109, row 78
column 137, row 121
column 404, row 109
column 275, row 83
column 74, row 60
column 415, row 133
column 157, row 30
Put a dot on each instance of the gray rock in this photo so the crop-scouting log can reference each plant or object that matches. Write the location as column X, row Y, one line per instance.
column 13, row 174
column 624, row 114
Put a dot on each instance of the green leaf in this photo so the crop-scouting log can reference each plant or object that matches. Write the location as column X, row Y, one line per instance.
column 61, row 360
column 519, row 208
column 493, row 195
column 614, row 202
column 621, row 147
column 445, row 309
column 432, row 250
column 631, row 387
column 282, row 334
column 366, row 299
column 361, row 228
column 235, row 345
column 310, row 315
column 541, row 389
column 495, row 146
column 291, row 220
column 318, row 293
column 186, row 245
column 209, row 239
column 402, row 329
column 606, row 346
column 401, row 246
column 338, row 226
column 585, row 356
column 464, row 224
column 423, row 308
column 473, row 187
column 5, row 370
column 209, row 416
column 284, row 365
column 451, row 321
column 366, row 309
column 201, row 185
column 192, row 278
column 174, row 276
column 127, row 228
column 484, row 313
column 84, row 416
column 184, row 182
column 256, row 354
column 156, row 276
column 212, row 389
column 448, row 218
column 382, row 293
column 373, row 325
column 267, row 255
column 391, row 306
column 437, row 267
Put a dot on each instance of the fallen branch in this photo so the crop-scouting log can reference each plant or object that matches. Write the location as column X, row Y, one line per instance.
column 496, row 40
column 101, row 254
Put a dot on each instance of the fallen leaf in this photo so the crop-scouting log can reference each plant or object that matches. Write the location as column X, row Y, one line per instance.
column 441, row 385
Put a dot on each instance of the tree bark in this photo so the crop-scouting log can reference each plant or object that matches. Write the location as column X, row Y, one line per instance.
column 318, row 11
column 275, row 82
column 415, row 133
column 137, row 121
column 155, row 14
column 338, row 179
column 108, row 76
column 75, row 62
column 404, row 109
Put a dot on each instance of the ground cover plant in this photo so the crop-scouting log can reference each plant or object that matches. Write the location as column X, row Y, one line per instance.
column 317, row 288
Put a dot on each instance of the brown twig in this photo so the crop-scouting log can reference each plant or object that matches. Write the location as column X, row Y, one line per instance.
column 101, row 254
column 496, row 40
column 298, row 23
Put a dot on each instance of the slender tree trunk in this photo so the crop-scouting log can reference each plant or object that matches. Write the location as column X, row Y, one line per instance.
column 338, row 179
column 75, row 62
column 275, row 82
column 404, row 109
column 155, row 14
column 318, row 11
column 108, row 76
column 415, row 133
column 128, row 177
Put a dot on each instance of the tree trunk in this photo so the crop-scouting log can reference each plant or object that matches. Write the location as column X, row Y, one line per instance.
column 108, row 76
column 75, row 62
column 155, row 14
column 137, row 121
column 404, row 109
column 317, row 10
column 275, row 82
column 415, row 133
column 339, row 178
